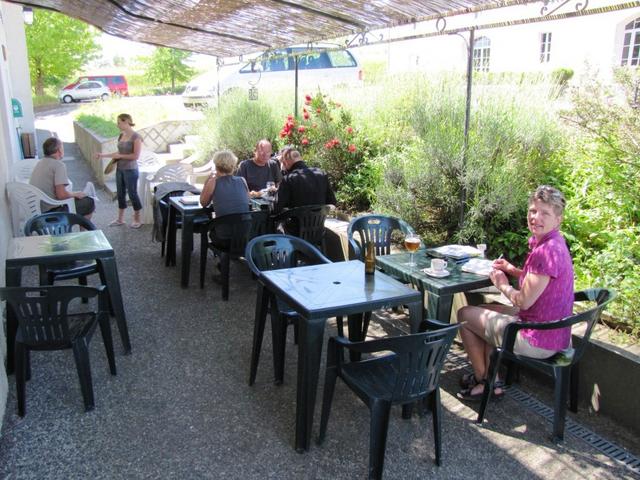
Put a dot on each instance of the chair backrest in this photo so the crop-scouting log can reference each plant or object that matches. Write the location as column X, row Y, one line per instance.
column 237, row 230
column 56, row 223
column 148, row 157
column 418, row 361
column 260, row 223
column 273, row 252
column 306, row 222
column 376, row 229
column 22, row 169
column 601, row 297
column 42, row 312
column 25, row 200
column 173, row 173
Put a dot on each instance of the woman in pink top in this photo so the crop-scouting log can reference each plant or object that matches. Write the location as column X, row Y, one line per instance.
column 544, row 294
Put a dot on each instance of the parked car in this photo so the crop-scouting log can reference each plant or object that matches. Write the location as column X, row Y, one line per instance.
column 117, row 83
column 316, row 68
column 84, row 91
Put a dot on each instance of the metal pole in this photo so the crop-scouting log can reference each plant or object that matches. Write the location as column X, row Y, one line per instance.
column 218, row 64
column 467, row 115
column 295, row 97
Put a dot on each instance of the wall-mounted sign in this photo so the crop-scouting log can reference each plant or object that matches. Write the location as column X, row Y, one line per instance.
column 16, row 106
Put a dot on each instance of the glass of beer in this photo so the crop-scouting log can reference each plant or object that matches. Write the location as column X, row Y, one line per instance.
column 411, row 243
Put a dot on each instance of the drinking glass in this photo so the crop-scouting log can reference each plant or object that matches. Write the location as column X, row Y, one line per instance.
column 411, row 243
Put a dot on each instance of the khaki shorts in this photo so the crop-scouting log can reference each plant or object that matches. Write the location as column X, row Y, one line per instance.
column 494, row 332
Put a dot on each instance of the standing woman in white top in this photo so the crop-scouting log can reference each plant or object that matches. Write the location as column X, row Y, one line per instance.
column 129, row 147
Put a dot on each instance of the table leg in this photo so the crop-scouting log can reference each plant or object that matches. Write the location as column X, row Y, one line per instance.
column 310, row 338
column 187, row 248
column 439, row 307
column 356, row 324
column 13, row 279
column 262, row 303
column 171, row 237
column 110, row 273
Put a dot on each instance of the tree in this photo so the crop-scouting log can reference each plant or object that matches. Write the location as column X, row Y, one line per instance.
column 166, row 65
column 58, row 47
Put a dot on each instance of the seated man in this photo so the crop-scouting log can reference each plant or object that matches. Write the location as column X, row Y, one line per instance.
column 260, row 169
column 302, row 185
column 50, row 176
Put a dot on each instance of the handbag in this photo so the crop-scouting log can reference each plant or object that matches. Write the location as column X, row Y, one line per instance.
column 111, row 166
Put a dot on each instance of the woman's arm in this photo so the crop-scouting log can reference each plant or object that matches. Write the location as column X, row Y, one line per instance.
column 506, row 267
column 532, row 287
column 207, row 191
column 137, row 148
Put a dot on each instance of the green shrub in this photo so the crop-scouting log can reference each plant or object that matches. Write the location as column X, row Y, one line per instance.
column 511, row 143
column 237, row 125
column 104, row 128
column 145, row 112
column 601, row 181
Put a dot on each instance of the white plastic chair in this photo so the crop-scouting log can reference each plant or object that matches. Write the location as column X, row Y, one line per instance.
column 172, row 173
column 25, row 203
column 168, row 173
column 203, row 172
column 22, row 169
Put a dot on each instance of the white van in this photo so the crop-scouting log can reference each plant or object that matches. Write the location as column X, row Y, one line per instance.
column 276, row 69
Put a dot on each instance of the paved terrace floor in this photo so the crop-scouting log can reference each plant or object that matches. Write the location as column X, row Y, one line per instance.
column 180, row 406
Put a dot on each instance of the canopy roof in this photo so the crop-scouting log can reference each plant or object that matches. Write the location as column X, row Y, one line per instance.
column 233, row 27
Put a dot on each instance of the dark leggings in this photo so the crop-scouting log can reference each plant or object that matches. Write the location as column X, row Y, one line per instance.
column 127, row 182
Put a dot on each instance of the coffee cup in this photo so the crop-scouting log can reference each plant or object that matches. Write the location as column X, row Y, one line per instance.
column 438, row 265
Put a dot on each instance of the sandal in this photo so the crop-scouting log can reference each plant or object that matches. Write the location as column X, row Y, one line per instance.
column 466, row 393
column 116, row 223
column 468, row 380
column 135, row 225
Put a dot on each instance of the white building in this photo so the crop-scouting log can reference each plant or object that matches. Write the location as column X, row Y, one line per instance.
column 532, row 43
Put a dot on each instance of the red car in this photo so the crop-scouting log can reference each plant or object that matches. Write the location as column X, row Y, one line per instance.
column 116, row 83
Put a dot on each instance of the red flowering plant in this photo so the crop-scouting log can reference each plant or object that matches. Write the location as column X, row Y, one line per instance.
column 325, row 136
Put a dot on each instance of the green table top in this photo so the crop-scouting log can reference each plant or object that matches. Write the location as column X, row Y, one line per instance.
column 457, row 281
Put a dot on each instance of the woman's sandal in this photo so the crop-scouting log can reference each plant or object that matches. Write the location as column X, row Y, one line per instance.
column 468, row 380
column 116, row 223
column 466, row 393
column 135, row 224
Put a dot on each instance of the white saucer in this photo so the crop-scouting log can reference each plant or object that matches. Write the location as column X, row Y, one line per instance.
column 437, row 273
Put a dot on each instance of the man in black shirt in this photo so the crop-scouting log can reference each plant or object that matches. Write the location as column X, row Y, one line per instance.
column 302, row 185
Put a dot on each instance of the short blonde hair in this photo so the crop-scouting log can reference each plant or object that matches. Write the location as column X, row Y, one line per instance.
column 225, row 161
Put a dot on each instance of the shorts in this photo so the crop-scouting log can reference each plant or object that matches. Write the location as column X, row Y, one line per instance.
column 85, row 206
column 494, row 333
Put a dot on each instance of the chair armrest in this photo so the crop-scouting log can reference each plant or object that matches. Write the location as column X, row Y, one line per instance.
column 357, row 251
column 69, row 202
column 430, row 324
